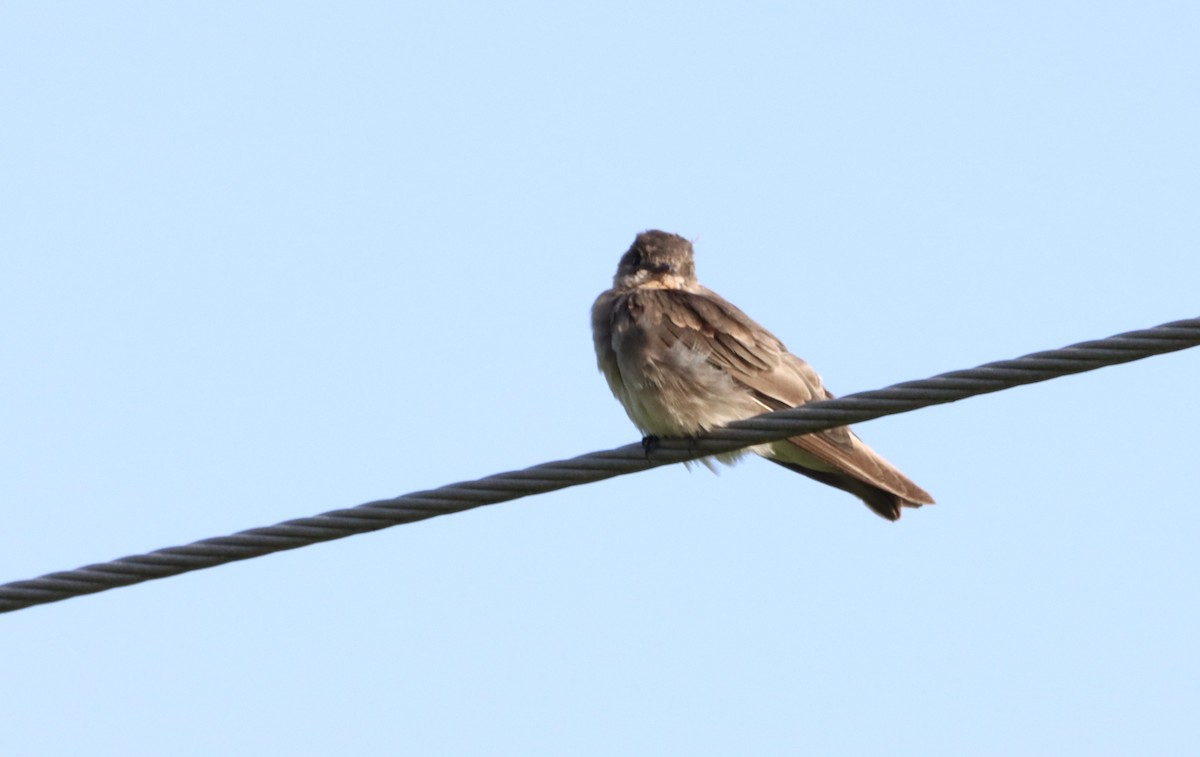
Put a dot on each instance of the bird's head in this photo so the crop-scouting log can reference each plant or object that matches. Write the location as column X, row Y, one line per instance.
column 657, row 260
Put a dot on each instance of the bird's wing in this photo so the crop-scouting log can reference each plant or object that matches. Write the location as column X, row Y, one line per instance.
column 777, row 379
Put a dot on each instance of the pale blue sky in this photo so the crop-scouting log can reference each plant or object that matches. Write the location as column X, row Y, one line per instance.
column 261, row 260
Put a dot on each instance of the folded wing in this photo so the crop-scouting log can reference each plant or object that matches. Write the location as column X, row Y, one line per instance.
column 776, row 379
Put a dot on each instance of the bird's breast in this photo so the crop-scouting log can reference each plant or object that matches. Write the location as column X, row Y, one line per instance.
column 666, row 387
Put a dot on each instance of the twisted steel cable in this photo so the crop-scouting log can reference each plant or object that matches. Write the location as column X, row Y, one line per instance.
column 597, row 466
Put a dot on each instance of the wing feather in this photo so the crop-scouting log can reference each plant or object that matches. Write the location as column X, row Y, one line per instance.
column 755, row 359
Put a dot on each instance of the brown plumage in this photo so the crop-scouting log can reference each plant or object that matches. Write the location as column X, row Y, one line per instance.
column 682, row 360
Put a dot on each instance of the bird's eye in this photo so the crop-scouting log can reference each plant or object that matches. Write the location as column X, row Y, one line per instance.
column 635, row 258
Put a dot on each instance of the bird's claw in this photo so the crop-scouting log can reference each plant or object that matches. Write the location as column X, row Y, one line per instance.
column 649, row 445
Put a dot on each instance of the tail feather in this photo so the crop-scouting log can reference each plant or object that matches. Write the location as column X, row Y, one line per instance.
column 882, row 502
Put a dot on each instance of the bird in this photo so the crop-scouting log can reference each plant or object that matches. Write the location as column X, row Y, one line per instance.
column 682, row 360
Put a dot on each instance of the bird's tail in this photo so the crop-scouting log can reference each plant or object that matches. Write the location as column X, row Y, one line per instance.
column 882, row 502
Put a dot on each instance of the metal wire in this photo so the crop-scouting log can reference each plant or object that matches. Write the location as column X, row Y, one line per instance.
column 597, row 466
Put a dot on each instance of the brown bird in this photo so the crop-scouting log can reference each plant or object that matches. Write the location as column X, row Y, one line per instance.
column 682, row 360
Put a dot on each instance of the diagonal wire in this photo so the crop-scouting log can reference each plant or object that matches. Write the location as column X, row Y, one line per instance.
column 597, row 466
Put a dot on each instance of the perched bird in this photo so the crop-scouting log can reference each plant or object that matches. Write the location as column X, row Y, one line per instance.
column 682, row 360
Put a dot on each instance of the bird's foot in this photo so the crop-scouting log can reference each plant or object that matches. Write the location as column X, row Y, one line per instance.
column 649, row 445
